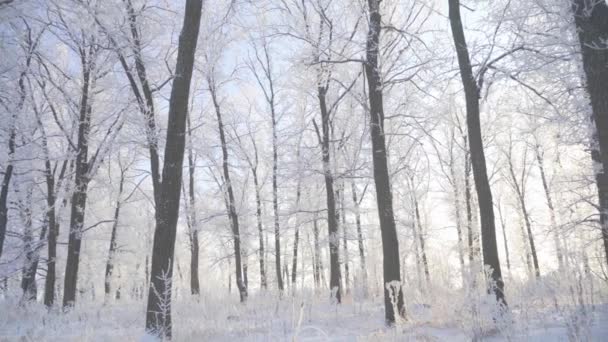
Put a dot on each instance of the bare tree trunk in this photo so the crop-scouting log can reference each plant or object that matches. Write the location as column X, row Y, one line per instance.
column 425, row 263
column 519, row 191
column 275, row 202
column 147, row 108
column 53, row 226
column 193, row 224
column 393, row 295
column 12, row 136
column 480, row 174
column 590, row 18
column 344, row 239
column 332, row 213
column 28, row 280
column 79, row 198
column 457, row 210
column 468, row 201
column 258, row 214
column 363, row 266
column 554, row 228
column 317, row 253
column 296, row 238
column 112, row 249
column 158, row 311
column 504, row 235
column 234, row 218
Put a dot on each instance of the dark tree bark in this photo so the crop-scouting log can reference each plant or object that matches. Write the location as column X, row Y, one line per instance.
column 81, row 180
column 30, row 247
column 384, row 198
column 12, row 136
column 258, row 215
column 147, row 106
column 332, row 213
column 317, row 253
column 468, row 197
column 344, row 238
column 192, row 221
column 158, row 311
column 480, row 174
column 591, row 19
column 231, row 203
column 53, row 226
column 112, row 248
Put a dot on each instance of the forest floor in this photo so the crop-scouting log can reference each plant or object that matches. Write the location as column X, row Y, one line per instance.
column 303, row 318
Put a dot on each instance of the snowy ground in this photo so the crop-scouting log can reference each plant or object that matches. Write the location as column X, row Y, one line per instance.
column 304, row 318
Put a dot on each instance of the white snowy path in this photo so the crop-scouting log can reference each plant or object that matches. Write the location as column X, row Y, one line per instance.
column 264, row 318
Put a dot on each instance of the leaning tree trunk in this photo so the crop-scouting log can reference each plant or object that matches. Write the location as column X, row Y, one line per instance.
column 480, row 174
column 332, row 213
column 556, row 236
column 158, row 311
column 393, row 294
column 592, row 24
column 234, row 218
column 519, row 191
column 468, row 196
column 504, row 237
column 147, row 104
column 81, row 180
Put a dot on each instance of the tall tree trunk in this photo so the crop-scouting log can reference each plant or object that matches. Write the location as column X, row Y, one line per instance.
column 317, row 253
column 193, row 223
column 344, row 239
column 53, row 227
column 258, row 215
column 590, row 18
column 480, row 174
column 425, row 263
column 519, row 191
column 6, row 181
column 504, row 236
column 468, row 196
column 112, row 249
column 147, row 107
column 30, row 247
column 363, row 266
column 332, row 213
column 554, row 228
column 275, row 200
column 234, row 218
column 296, row 238
column 457, row 210
column 158, row 311
column 393, row 294
column 81, row 181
